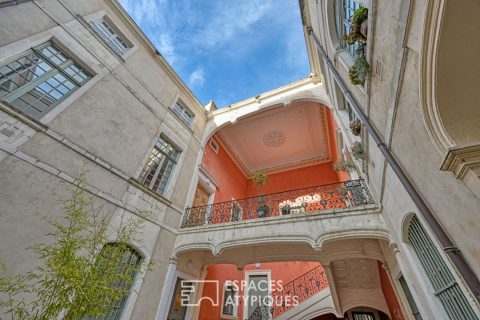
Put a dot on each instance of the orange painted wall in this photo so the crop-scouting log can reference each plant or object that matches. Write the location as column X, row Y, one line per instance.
column 285, row 271
column 296, row 179
column 389, row 293
column 232, row 183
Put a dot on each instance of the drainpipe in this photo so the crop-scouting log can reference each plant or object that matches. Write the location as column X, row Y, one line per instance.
column 447, row 245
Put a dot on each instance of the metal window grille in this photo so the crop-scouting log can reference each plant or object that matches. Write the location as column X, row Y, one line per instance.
column 130, row 260
column 159, row 166
column 182, row 111
column 344, row 10
column 411, row 302
column 446, row 288
column 111, row 38
column 39, row 79
column 363, row 316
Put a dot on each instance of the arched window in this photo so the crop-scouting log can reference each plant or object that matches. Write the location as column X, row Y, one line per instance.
column 446, row 288
column 344, row 9
column 129, row 259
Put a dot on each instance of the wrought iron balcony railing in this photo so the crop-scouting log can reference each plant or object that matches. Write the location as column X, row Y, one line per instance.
column 291, row 295
column 341, row 195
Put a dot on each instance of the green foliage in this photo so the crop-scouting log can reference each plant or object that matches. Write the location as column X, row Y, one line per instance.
column 359, row 71
column 75, row 278
column 342, row 191
column 357, row 151
column 360, row 15
column 345, row 166
column 355, row 33
column 260, row 179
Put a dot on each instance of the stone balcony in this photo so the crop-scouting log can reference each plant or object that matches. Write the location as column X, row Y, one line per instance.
column 312, row 215
column 337, row 197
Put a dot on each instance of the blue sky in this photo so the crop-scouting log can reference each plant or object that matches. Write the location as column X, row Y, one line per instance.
column 226, row 50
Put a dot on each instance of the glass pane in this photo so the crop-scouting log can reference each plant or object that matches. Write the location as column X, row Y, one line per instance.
column 39, row 100
column 159, row 166
column 130, row 261
column 21, row 71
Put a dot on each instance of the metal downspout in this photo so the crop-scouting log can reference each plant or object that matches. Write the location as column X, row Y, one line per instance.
column 447, row 245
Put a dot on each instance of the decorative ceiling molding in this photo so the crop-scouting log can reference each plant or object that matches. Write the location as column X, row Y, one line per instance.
column 256, row 143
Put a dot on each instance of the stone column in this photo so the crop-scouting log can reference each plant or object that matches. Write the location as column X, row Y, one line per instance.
column 168, row 288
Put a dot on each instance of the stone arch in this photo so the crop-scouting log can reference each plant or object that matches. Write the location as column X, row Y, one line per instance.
column 405, row 225
column 307, row 91
column 450, row 73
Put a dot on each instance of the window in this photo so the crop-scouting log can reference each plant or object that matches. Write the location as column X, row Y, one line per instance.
column 344, row 9
column 351, row 114
column 229, row 300
column 159, row 166
column 411, row 302
column 446, row 289
column 214, row 145
column 39, row 79
column 111, row 37
column 130, row 261
column 363, row 315
column 182, row 111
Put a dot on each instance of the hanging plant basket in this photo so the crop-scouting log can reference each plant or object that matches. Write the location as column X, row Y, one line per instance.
column 359, row 71
column 356, row 127
column 358, row 27
column 357, row 151
column 345, row 166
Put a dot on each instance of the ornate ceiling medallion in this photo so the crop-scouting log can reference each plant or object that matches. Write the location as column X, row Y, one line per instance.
column 274, row 139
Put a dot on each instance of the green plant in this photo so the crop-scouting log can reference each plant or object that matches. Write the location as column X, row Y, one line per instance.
column 260, row 179
column 359, row 71
column 75, row 277
column 345, row 166
column 357, row 151
column 360, row 15
column 356, row 127
column 342, row 191
column 355, row 33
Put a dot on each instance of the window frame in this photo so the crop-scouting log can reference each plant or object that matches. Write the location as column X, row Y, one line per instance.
column 71, row 69
column 116, row 40
column 183, row 112
column 124, row 301
column 144, row 173
column 217, row 148
column 407, row 293
column 342, row 22
column 439, row 277
column 235, row 295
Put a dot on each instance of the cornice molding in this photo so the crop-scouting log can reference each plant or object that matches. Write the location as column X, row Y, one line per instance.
column 460, row 160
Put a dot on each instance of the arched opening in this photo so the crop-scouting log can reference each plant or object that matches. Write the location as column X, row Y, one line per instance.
column 343, row 275
column 458, row 73
column 449, row 81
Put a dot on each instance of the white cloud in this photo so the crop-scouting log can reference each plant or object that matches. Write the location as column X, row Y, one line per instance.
column 197, row 77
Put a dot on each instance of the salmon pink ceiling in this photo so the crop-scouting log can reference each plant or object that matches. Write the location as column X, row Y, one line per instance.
column 279, row 139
